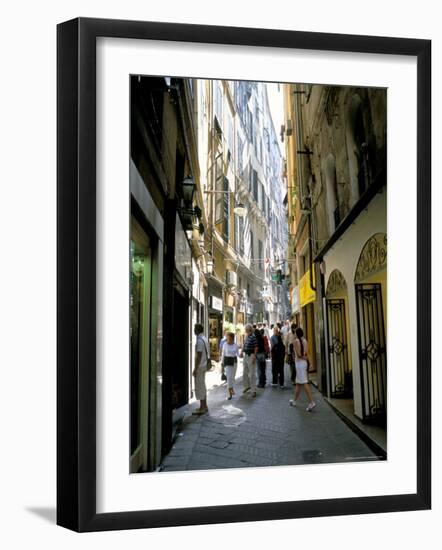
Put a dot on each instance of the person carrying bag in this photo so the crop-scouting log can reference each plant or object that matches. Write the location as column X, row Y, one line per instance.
column 229, row 360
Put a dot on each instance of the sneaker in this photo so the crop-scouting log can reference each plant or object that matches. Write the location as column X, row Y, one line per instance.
column 245, row 390
column 281, row 387
column 292, row 403
column 310, row 406
column 254, row 394
column 274, row 385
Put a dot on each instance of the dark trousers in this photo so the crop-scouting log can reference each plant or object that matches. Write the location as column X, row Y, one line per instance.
column 261, row 363
column 278, row 371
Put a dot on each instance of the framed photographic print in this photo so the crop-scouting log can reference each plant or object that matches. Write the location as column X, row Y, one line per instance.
column 243, row 299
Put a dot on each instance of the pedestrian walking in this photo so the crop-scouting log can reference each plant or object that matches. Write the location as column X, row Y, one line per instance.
column 261, row 359
column 289, row 340
column 266, row 330
column 200, row 369
column 220, row 352
column 286, row 327
column 249, row 352
column 301, row 363
column 289, row 336
column 266, row 343
column 278, row 355
column 222, row 342
column 229, row 360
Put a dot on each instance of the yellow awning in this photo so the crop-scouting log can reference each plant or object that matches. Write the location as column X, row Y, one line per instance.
column 306, row 293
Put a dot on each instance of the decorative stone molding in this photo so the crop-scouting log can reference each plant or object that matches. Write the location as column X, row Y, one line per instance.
column 373, row 257
column 331, row 105
column 336, row 283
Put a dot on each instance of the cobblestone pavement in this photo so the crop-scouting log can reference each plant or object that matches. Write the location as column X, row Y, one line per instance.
column 262, row 431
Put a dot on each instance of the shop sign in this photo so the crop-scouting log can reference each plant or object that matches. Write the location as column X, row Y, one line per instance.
column 216, row 303
column 306, row 293
column 294, row 298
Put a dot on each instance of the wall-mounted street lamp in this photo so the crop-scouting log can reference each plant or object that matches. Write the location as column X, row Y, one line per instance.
column 187, row 211
column 239, row 208
column 210, row 264
column 188, row 190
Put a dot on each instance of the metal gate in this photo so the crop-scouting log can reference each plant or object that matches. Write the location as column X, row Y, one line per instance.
column 341, row 380
column 372, row 352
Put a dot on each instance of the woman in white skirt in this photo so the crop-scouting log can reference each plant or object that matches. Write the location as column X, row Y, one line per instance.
column 230, row 360
column 300, row 346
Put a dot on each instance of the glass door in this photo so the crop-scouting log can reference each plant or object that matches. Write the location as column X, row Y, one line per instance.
column 140, row 333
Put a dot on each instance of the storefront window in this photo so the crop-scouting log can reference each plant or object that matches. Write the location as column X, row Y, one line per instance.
column 214, row 335
column 140, row 298
column 228, row 315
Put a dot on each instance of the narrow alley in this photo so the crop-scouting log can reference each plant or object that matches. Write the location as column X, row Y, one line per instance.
column 258, row 229
column 261, row 431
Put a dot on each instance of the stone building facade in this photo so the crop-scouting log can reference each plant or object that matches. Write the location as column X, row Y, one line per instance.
column 336, row 167
column 240, row 164
column 164, row 256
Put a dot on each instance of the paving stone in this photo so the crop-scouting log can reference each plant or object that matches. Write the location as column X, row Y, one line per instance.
column 219, row 444
column 265, row 431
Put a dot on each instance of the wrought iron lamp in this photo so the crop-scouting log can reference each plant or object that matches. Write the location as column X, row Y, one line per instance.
column 187, row 211
column 210, row 264
column 240, row 209
column 188, row 190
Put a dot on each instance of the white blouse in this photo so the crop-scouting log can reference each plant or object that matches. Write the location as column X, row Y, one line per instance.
column 230, row 350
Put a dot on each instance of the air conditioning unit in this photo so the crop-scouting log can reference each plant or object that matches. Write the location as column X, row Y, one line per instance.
column 232, row 279
column 289, row 128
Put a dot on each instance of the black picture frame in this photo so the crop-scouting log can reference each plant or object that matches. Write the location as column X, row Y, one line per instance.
column 76, row 273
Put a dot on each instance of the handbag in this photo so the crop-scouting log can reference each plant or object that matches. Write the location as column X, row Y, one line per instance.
column 209, row 365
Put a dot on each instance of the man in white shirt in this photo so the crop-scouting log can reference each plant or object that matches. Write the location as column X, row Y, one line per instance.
column 266, row 330
column 290, row 336
column 200, row 369
column 286, row 327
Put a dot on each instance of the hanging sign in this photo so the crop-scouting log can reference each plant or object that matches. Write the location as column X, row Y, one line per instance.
column 306, row 293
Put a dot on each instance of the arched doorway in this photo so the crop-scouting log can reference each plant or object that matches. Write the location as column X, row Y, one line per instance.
column 340, row 373
column 371, row 289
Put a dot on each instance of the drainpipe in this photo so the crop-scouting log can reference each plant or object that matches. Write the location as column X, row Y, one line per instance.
column 310, row 248
column 300, row 170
